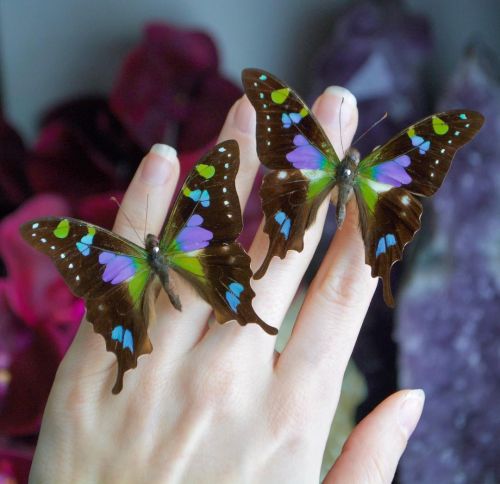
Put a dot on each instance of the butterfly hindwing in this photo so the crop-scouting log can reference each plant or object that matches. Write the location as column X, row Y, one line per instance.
column 292, row 143
column 110, row 273
column 200, row 237
column 415, row 161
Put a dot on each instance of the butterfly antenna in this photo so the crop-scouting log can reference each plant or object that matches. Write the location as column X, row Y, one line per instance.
column 126, row 216
column 340, row 126
column 370, row 128
column 146, row 220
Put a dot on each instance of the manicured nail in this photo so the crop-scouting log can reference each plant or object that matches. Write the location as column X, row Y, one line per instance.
column 411, row 410
column 157, row 164
column 335, row 101
column 244, row 117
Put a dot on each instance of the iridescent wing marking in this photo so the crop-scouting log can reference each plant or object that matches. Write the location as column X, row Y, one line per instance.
column 200, row 239
column 112, row 275
column 415, row 161
column 291, row 142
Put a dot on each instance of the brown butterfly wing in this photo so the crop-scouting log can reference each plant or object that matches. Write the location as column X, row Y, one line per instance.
column 415, row 161
column 273, row 99
column 110, row 273
column 200, row 237
column 292, row 143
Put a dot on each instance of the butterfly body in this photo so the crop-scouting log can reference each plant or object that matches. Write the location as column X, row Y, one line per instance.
column 116, row 277
column 160, row 267
column 305, row 170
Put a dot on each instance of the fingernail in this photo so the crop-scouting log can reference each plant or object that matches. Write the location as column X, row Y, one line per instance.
column 337, row 102
column 156, row 167
column 244, row 117
column 411, row 410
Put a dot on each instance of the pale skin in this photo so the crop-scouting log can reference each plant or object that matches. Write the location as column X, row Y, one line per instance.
column 217, row 404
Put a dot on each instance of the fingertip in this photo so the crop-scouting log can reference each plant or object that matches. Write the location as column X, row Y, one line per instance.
column 410, row 410
column 158, row 164
column 244, row 116
column 336, row 104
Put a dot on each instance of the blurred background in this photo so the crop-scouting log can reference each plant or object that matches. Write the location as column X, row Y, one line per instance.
column 88, row 87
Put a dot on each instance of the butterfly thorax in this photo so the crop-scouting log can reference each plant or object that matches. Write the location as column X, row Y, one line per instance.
column 155, row 257
column 346, row 173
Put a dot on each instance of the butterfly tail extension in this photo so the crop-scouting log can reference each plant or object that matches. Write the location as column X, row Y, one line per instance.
column 386, row 282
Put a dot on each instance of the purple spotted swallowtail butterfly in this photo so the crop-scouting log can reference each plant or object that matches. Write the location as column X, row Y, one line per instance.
column 116, row 277
column 305, row 169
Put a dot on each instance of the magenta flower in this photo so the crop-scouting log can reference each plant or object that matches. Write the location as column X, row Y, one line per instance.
column 39, row 319
column 82, row 149
column 170, row 84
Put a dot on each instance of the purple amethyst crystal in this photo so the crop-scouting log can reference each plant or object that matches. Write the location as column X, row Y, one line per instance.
column 448, row 313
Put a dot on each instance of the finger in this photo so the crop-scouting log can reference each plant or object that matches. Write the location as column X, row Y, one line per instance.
column 276, row 290
column 155, row 179
column 333, row 311
column 372, row 452
column 191, row 323
column 150, row 191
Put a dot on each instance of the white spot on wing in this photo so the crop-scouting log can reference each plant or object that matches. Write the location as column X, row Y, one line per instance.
column 35, row 225
column 63, row 255
column 43, row 240
column 70, row 266
column 222, row 149
column 282, row 174
column 405, row 199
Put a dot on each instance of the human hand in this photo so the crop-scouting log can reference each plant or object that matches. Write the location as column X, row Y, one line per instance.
column 217, row 404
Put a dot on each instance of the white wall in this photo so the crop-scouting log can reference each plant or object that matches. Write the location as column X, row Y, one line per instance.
column 53, row 49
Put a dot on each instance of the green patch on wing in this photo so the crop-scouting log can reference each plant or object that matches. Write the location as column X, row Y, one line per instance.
column 319, row 181
column 188, row 261
column 138, row 282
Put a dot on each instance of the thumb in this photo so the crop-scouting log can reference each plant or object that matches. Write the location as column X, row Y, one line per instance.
column 372, row 452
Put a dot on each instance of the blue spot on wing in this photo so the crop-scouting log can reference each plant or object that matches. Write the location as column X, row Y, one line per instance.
column 233, row 295
column 128, row 340
column 117, row 333
column 84, row 244
column 285, row 119
column 462, row 116
column 423, row 146
column 123, row 337
column 262, row 77
column 384, row 243
column 200, row 196
column 390, row 240
column 380, row 247
column 289, row 119
column 284, row 222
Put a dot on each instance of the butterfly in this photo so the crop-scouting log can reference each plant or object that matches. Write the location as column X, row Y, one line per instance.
column 305, row 169
column 119, row 279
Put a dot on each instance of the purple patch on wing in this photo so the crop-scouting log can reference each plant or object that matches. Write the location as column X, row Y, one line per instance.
column 192, row 236
column 118, row 269
column 305, row 156
column 393, row 172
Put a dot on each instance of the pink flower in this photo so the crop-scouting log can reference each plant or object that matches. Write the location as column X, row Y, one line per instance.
column 39, row 317
column 170, row 84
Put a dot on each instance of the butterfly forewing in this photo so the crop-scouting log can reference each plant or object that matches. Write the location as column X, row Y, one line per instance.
column 109, row 272
column 415, row 161
column 284, row 123
column 291, row 142
column 200, row 237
